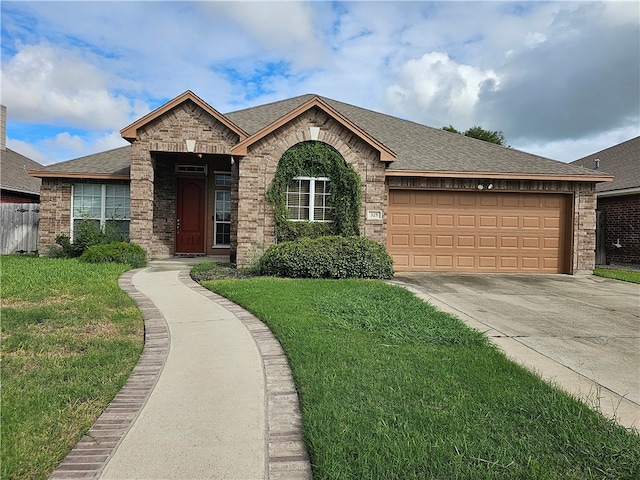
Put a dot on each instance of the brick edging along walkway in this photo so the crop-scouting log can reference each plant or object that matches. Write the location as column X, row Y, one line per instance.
column 95, row 448
column 287, row 456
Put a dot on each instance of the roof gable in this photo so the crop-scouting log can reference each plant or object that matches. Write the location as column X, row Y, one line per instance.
column 386, row 154
column 621, row 160
column 130, row 132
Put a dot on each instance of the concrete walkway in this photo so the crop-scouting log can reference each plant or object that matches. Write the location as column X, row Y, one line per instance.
column 211, row 398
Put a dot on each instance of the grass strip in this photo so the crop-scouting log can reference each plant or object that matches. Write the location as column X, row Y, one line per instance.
column 70, row 338
column 632, row 276
column 391, row 388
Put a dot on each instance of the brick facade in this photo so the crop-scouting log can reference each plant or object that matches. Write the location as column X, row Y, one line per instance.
column 622, row 227
column 255, row 228
column 160, row 145
column 55, row 210
column 153, row 177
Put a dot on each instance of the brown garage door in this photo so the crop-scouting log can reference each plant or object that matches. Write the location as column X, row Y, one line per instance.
column 477, row 231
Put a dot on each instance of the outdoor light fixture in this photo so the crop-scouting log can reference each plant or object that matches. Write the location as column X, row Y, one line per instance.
column 314, row 132
column 191, row 145
column 485, row 185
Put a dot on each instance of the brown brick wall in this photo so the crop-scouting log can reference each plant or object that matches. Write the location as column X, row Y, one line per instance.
column 8, row 196
column 153, row 195
column 55, row 207
column 255, row 229
column 582, row 206
column 622, row 224
column 55, row 211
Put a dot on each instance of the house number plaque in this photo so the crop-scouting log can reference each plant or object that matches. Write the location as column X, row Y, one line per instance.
column 374, row 214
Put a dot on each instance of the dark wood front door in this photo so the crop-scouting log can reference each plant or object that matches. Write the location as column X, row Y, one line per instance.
column 190, row 221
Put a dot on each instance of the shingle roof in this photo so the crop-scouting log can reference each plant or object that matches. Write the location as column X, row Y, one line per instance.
column 13, row 173
column 418, row 147
column 622, row 161
column 112, row 163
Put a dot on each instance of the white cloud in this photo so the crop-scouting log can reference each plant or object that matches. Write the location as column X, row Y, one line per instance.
column 45, row 84
column 437, row 90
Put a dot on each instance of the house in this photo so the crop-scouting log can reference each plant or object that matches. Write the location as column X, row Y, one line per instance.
column 16, row 186
column 618, row 202
column 194, row 182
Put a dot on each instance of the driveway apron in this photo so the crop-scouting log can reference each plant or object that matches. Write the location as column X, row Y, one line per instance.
column 206, row 416
column 579, row 332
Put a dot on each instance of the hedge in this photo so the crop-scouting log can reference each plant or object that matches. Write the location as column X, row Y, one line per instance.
column 327, row 257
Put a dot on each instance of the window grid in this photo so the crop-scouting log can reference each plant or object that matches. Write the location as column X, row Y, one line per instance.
column 307, row 199
column 222, row 224
column 103, row 204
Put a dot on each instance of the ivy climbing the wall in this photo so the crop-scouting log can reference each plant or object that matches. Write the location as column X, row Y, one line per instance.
column 316, row 159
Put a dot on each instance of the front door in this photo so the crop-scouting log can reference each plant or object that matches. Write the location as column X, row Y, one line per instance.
column 190, row 221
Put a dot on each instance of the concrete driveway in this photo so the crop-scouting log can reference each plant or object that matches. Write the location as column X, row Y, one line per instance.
column 580, row 332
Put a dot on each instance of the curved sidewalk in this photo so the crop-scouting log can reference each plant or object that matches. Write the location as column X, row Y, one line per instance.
column 212, row 396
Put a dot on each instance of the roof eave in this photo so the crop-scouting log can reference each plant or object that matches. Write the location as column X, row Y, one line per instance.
column 500, row 175
column 130, row 132
column 617, row 193
column 79, row 175
column 386, row 154
column 19, row 190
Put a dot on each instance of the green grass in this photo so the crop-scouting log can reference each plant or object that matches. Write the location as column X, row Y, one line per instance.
column 70, row 338
column 632, row 276
column 390, row 388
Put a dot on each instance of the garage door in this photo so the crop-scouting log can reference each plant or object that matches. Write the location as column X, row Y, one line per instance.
column 477, row 231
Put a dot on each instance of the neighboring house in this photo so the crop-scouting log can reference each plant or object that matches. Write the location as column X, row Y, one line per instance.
column 194, row 182
column 16, row 186
column 618, row 202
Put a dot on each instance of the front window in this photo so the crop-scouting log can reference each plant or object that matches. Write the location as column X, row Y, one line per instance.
column 222, row 219
column 105, row 205
column 308, row 199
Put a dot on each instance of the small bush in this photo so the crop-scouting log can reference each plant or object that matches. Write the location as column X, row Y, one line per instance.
column 120, row 252
column 327, row 257
column 86, row 234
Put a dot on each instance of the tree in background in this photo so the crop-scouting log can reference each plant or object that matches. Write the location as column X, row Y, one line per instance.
column 480, row 133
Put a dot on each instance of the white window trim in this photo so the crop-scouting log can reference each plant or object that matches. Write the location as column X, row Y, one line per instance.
column 103, row 206
column 216, row 222
column 312, row 198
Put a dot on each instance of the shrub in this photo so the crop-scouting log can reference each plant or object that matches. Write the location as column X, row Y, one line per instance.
column 120, row 252
column 86, row 234
column 327, row 257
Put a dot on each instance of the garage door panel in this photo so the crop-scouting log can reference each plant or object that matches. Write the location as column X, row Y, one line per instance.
column 422, row 220
column 422, row 240
column 444, row 241
column 400, row 219
column 400, row 240
column 466, row 241
column 422, row 260
column 477, row 231
column 444, row 220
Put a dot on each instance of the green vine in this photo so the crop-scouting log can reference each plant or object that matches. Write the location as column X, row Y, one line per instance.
column 316, row 159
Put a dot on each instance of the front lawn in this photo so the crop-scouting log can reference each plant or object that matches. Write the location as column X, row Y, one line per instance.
column 390, row 388
column 632, row 276
column 70, row 338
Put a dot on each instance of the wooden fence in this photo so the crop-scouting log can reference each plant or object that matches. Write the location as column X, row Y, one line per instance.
column 19, row 228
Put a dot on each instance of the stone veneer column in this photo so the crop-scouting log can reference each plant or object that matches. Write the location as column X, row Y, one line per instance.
column 141, row 224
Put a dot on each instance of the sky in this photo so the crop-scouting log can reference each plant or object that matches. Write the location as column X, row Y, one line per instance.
column 559, row 79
